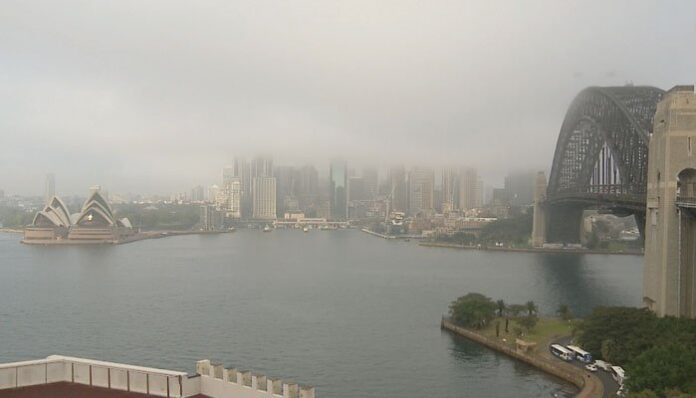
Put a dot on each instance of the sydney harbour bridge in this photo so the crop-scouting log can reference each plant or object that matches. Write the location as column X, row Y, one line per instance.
column 601, row 159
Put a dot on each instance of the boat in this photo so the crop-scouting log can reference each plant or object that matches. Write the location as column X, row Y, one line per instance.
column 305, row 229
column 267, row 229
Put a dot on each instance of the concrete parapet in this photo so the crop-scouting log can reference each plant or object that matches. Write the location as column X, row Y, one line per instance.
column 291, row 390
column 306, row 392
column 219, row 382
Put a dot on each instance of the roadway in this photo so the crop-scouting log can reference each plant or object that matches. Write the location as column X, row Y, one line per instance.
column 610, row 386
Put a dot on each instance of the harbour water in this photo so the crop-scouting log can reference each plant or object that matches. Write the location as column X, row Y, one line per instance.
column 352, row 314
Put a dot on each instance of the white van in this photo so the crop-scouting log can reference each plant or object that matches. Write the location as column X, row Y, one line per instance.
column 606, row 366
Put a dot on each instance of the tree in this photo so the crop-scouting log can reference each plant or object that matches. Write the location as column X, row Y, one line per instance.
column 472, row 310
column 516, row 309
column 501, row 307
column 528, row 322
column 564, row 312
column 531, row 308
column 632, row 330
column 664, row 367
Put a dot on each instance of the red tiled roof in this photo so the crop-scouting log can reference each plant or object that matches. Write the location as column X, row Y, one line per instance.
column 71, row 390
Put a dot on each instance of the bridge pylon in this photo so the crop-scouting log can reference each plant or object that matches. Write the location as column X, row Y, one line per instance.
column 669, row 280
column 539, row 223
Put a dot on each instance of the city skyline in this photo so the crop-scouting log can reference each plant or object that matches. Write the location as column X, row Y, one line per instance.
column 178, row 100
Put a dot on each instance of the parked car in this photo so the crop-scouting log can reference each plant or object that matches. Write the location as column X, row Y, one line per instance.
column 603, row 365
column 591, row 367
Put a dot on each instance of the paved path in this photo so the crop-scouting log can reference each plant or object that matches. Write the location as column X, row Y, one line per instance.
column 610, row 386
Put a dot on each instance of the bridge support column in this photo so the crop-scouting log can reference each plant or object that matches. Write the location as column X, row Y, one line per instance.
column 669, row 279
column 539, row 218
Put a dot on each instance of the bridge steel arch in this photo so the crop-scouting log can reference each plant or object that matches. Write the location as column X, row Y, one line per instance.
column 601, row 157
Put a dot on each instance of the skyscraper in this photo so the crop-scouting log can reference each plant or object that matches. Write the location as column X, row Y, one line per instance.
column 421, row 183
column 450, row 189
column 371, row 177
column 264, row 202
column 50, row 188
column 520, row 187
column 337, row 180
column 230, row 197
column 240, row 169
column 470, row 189
column 398, row 191
column 308, row 189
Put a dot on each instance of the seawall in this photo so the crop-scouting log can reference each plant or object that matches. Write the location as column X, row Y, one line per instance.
column 590, row 387
column 525, row 250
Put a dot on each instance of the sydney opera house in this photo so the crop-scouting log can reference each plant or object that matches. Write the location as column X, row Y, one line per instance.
column 95, row 223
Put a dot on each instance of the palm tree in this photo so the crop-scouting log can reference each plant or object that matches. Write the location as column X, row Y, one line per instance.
column 501, row 307
column 564, row 312
column 531, row 307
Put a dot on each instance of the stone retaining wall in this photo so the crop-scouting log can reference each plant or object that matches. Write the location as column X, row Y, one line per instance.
column 588, row 387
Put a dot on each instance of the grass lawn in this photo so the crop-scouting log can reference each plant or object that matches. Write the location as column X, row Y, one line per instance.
column 545, row 330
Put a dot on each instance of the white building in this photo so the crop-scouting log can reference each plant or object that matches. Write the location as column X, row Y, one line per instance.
column 230, row 198
column 264, row 198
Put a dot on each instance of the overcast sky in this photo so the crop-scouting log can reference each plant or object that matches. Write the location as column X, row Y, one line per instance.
column 157, row 96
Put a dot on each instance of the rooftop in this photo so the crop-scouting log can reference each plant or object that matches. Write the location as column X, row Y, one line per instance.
column 71, row 390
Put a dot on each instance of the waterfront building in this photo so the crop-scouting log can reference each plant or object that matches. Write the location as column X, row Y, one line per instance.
column 230, row 198
column 450, row 189
column 50, row 187
column 59, row 376
column 95, row 223
column 211, row 219
column 421, row 183
column 338, row 175
column 398, row 191
column 470, row 189
column 264, row 198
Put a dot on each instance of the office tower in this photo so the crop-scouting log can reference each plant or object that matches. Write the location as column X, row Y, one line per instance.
column 286, row 189
column 371, row 177
column 264, row 198
column 308, row 189
column 450, row 189
column 50, row 188
column 213, row 191
column 230, row 198
column 399, row 191
column 470, row 189
column 337, row 180
column 357, row 189
column 241, row 170
column 520, row 187
column 197, row 194
column 421, row 183
column 262, row 166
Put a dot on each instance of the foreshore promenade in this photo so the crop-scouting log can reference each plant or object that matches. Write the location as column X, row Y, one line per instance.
column 527, row 249
column 133, row 238
column 589, row 385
